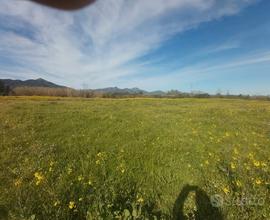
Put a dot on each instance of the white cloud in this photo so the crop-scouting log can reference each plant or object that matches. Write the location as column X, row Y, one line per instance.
column 202, row 71
column 221, row 47
column 99, row 44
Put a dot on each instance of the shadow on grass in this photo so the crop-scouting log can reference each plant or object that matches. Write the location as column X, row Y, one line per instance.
column 205, row 211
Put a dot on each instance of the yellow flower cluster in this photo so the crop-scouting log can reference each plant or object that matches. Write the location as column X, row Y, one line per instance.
column 39, row 177
column 99, row 154
column 100, row 157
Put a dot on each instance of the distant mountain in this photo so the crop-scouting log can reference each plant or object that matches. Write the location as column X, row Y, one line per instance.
column 30, row 83
column 116, row 90
column 109, row 90
column 156, row 93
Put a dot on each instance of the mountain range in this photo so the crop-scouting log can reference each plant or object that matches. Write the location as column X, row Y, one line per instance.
column 44, row 83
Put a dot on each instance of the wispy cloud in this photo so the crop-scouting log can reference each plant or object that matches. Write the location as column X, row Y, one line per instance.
column 98, row 45
column 202, row 71
column 221, row 47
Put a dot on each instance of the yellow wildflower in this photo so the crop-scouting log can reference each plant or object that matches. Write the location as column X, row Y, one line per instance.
column 206, row 162
column 235, row 151
column 226, row 190
column 123, row 170
column 56, row 203
column 250, row 155
column 264, row 164
column 233, row 166
column 256, row 163
column 39, row 177
column 238, row 183
column 69, row 170
column 80, row 178
column 258, row 181
column 97, row 162
column 140, row 200
column 18, row 182
column 71, row 205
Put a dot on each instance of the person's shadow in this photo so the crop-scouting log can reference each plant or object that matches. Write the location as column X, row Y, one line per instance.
column 205, row 211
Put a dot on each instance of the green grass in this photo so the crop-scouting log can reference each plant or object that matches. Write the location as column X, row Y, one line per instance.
column 111, row 158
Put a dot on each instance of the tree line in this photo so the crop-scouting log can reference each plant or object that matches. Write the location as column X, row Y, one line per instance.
column 88, row 93
column 4, row 90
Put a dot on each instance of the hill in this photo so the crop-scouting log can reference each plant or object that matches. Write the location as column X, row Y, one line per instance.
column 30, row 83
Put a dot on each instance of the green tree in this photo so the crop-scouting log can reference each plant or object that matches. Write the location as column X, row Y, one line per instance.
column 2, row 87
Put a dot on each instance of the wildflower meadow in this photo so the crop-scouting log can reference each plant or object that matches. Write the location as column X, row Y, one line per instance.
column 74, row 158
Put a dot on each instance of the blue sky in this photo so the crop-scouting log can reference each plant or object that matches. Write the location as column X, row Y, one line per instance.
column 206, row 45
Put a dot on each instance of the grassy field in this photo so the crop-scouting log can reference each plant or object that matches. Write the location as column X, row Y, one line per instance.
column 134, row 158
